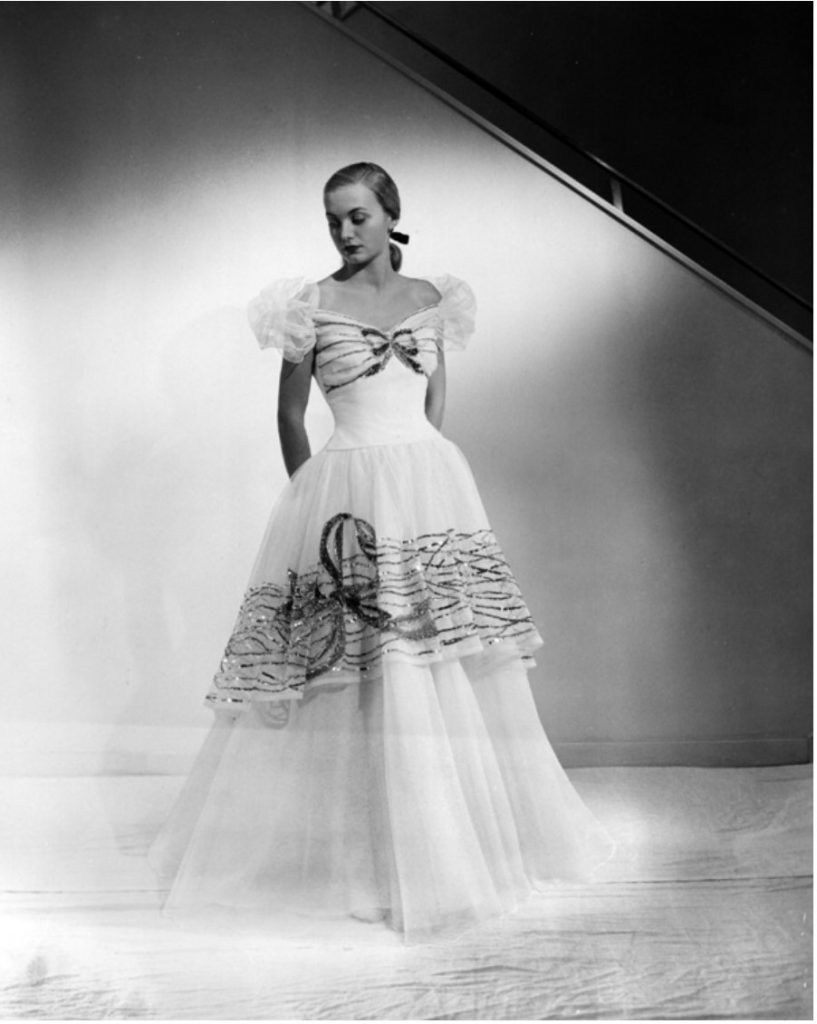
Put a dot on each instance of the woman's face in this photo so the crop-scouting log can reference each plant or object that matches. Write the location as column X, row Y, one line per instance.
column 358, row 224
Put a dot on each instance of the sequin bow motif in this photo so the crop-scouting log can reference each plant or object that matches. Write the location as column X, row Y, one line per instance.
column 401, row 344
column 376, row 352
column 341, row 612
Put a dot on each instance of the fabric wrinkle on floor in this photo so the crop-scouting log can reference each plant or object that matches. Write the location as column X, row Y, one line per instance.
column 705, row 911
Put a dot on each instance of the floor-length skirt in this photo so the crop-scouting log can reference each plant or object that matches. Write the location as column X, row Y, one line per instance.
column 377, row 752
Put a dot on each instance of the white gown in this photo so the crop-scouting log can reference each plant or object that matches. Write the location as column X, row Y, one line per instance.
column 376, row 750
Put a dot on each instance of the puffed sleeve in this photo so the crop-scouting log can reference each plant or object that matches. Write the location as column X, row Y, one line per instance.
column 281, row 317
column 458, row 311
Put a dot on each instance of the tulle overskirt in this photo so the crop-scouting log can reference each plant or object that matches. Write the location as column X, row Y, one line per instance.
column 377, row 753
column 425, row 798
column 375, row 553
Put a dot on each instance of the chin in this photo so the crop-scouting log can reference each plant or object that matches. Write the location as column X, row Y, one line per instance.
column 357, row 260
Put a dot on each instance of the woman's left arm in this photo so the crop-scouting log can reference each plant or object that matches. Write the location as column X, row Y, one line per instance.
column 435, row 393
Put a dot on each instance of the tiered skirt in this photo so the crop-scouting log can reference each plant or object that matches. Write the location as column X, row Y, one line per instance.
column 376, row 753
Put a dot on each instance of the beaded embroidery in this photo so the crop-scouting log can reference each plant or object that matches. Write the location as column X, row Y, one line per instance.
column 367, row 597
column 347, row 351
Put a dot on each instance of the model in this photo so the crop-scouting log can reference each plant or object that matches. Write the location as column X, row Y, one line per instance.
column 376, row 753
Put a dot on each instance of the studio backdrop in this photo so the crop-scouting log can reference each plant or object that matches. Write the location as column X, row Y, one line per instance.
column 640, row 438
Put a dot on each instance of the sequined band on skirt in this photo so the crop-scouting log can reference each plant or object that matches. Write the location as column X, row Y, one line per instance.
column 366, row 597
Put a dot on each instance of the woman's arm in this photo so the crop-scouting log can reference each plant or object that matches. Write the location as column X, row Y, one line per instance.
column 435, row 393
column 293, row 394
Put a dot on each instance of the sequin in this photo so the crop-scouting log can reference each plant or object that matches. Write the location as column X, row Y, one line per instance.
column 346, row 352
column 369, row 596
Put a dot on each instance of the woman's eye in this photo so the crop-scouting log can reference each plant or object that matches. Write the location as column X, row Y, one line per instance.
column 358, row 220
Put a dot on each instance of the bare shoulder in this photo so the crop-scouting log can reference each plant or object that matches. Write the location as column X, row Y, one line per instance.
column 328, row 289
column 326, row 283
column 423, row 292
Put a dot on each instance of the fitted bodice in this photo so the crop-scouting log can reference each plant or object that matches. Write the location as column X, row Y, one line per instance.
column 375, row 379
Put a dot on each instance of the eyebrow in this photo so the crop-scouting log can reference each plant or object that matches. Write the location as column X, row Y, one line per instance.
column 357, row 209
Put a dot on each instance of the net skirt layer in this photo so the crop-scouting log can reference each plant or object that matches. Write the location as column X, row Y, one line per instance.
column 425, row 794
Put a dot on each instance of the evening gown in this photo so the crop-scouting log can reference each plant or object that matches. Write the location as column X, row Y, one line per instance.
column 376, row 751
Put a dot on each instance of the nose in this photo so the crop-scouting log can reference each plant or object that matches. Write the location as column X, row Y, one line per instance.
column 347, row 231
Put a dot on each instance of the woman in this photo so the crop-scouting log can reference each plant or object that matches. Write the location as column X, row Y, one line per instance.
column 377, row 751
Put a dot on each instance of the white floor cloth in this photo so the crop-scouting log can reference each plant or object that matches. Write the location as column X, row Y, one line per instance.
column 705, row 911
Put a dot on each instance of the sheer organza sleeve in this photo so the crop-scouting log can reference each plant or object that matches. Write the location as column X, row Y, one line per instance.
column 281, row 317
column 458, row 311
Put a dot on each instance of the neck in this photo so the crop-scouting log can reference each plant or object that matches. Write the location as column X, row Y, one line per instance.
column 375, row 275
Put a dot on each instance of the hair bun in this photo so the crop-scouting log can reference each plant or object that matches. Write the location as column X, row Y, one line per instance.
column 395, row 256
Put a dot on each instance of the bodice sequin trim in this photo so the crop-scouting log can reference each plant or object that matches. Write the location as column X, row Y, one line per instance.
column 348, row 351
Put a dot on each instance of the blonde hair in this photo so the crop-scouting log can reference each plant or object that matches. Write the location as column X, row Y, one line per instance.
column 381, row 184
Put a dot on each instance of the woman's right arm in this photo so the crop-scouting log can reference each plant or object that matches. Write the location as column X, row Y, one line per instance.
column 293, row 394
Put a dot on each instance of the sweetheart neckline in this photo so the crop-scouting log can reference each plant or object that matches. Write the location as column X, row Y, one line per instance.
column 382, row 330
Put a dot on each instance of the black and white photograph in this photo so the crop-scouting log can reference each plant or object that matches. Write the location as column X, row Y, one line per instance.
column 407, row 522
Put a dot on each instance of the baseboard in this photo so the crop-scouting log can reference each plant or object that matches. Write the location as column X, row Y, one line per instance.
column 709, row 753
column 65, row 749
